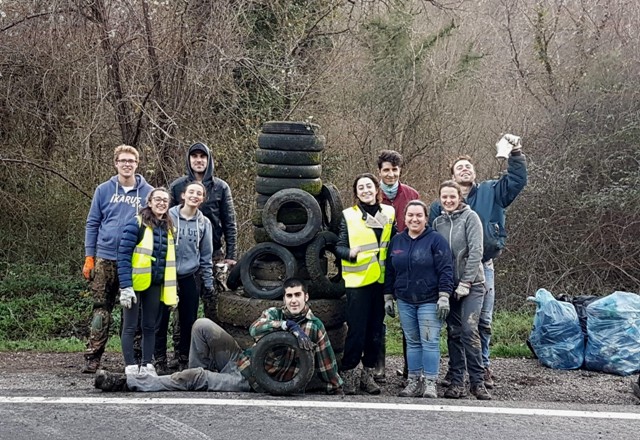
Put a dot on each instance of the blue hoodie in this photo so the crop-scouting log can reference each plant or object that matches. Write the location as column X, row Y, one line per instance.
column 194, row 246
column 111, row 209
column 417, row 269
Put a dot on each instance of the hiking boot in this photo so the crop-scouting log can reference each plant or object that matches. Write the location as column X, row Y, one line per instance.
column 110, row 382
column 430, row 391
column 480, row 391
column 148, row 369
column 455, row 391
column 414, row 388
column 183, row 363
column 446, row 381
column 350, row 379
column 367, row 383
column 91, row 365
column 380, row 378
column 488, row 378
column 161, row 367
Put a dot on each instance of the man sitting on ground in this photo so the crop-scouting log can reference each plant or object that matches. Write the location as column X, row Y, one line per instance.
column 216, row 362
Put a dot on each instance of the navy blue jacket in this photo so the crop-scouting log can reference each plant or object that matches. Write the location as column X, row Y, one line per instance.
column 417, row 269
column 489, row 199
column 128, row 243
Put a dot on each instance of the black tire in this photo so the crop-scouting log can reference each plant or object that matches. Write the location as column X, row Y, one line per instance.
column 292, row 215
column 331, row 207
column 321, row 285
column 271, row 185
column 337, row 337
column 291, row 142
column 239, row 311
column 290, row 127
column 240, row 334
column 249, row 284
column 233, row 280
column 292, row 171
column 270, row 215
column 280, row 157
column 262, row 352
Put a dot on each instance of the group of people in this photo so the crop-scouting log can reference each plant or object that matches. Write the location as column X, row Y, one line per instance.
column 435, row 263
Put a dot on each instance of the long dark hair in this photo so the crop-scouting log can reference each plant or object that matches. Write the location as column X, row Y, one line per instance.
column 184, row 191
column 150, row 219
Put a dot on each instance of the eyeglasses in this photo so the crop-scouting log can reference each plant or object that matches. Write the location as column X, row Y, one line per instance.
column 160, row 200
column 127, row 161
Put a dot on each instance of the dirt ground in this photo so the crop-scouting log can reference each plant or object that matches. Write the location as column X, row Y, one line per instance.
column 523, row 380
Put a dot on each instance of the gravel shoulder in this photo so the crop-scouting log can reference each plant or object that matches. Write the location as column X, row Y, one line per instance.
column 518, row 380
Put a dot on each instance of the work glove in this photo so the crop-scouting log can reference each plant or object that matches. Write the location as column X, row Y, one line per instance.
column 87, row 269
column 515, row 141
column 442, row 306
column 304, row 341
column 389, row 307
column 462, row 290
column 127, row 297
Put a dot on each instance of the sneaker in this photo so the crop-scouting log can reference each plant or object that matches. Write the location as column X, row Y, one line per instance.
column 367, row 383
column 110, row 382
column 488, row 378
column 455, row 391
column 414, row 388
column 480, row 391
column 430, row 391
column 148, row 369
column 91, row 365
column 446, row 381
column 350, row 379
column 132, row 369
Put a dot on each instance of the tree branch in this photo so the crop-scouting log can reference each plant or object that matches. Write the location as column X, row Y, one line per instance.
column 42, row 167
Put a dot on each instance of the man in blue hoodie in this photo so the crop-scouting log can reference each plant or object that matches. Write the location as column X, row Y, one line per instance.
column 489, row 199
column 114, row 203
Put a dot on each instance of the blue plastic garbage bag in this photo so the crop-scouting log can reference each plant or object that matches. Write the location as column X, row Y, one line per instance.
column 613, row 326
column 556, row 337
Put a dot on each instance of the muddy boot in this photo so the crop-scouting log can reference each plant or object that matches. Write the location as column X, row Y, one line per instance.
column 350, row 379
column 161, row 366
column 367, row 383
column 636, row 388
column 414, row 388
column 480, row 391
column 91, row 365
column 110, row 382
column 379, row 369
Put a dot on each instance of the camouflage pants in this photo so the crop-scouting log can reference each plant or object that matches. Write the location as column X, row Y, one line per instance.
column 105, row 291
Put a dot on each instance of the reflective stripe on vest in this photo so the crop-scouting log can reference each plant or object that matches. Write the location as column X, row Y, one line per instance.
column 141, row 262
column 369, row 267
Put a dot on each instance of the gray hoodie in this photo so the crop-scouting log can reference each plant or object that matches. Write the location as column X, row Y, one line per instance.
column 463, row 230
column 194, row 247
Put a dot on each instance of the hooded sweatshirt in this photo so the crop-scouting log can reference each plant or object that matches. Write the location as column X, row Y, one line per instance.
column 111, row 209
column 463, row 230
column 417, row 269
column 218, row 207
column 193, row 245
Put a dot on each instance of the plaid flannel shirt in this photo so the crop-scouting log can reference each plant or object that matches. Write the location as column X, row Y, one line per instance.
column 282, row 364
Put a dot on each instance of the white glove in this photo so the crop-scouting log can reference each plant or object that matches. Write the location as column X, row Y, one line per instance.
column 508, row 144
column 389, row 308
column 462, row 290
column 442, row 306
column 127, row 297
column 514, row 140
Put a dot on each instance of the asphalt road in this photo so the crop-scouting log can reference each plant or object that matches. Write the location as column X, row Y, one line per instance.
column 92, row 415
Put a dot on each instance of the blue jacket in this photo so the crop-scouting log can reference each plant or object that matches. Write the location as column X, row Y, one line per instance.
column 128, row 243
column 417, row 269
column 111, row 209
column 489, row 199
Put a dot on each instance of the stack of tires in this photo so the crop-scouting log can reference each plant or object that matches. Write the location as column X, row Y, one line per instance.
column 296, row 222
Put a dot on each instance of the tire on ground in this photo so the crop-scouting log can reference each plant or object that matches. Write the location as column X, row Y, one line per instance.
column 280, row 157
column 262, row 352
column 271, row 185
column 331, row 206
column 292, row 171
column 332, row 287
column 249, row 284
column 303, row 200
column 290, row 127
column 291, row 142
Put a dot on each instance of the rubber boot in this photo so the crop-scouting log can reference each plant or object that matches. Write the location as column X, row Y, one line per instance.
column 379, row 369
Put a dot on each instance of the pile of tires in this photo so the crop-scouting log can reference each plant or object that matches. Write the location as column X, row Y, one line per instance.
column 296, row 223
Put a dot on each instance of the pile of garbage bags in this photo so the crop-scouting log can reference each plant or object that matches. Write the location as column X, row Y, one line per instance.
column 600, row 334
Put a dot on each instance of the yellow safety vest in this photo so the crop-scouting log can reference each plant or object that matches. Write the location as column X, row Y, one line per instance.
column 141, row 264
column 369, row 266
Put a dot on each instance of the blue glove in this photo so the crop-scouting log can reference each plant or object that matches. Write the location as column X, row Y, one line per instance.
column 304, row 341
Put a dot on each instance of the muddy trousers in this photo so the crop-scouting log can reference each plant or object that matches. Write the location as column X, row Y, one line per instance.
column 212, row 365
column 463, row 337
column 104, row 288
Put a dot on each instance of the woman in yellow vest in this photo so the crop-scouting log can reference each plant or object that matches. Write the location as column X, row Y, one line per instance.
column 147, row 275
column 365, row 232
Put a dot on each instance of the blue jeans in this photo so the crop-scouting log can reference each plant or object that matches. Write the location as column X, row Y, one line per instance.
column 486, row 315
column 421, row 328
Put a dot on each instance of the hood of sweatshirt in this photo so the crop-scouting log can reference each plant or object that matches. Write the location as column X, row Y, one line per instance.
column 208, row 173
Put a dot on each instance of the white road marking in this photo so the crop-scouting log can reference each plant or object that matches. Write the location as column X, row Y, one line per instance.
column 320, row 404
